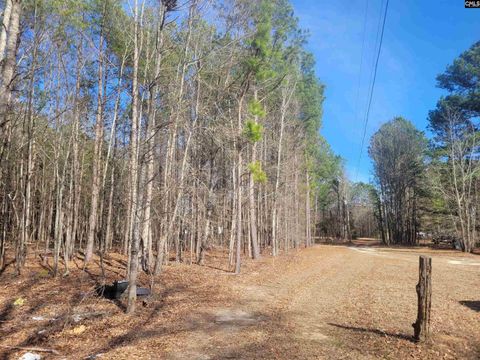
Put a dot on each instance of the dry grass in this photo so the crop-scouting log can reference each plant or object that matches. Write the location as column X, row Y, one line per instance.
column 327, row 302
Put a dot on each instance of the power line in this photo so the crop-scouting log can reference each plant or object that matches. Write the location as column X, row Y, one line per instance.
column 372, row 88
column 361, row 60
column 370, row 79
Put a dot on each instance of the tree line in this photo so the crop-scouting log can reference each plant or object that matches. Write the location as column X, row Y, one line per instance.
column 433, row 185
column 158, row 129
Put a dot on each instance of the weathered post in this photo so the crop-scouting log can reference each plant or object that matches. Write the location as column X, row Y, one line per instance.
column 424, row 292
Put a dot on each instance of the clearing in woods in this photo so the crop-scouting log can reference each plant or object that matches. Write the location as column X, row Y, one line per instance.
column 325, row 302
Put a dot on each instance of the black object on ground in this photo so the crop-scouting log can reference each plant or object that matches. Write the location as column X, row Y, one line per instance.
column 116, row 290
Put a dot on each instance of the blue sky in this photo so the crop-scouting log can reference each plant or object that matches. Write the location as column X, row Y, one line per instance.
column 421, row 38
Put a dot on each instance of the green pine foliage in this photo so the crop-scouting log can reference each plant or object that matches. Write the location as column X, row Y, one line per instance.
column 255, row 108
column 253, row 131
column 255, row 168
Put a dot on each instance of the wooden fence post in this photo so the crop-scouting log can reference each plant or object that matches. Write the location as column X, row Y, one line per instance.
column 424, row 292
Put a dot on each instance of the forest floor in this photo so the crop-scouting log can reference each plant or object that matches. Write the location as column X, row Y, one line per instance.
column 326, row 302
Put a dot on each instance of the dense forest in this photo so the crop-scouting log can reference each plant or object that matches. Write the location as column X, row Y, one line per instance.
column 163, row 129
column 160, row 128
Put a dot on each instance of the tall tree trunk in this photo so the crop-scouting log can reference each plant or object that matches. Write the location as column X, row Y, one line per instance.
column 283, row 110
column 93, row 218
column 134, row 168
column 238, row 220
column 5, row 25
column 251, row 199
column 8, row 68
column 112, row 145
column 30, row 140
column 168, row 230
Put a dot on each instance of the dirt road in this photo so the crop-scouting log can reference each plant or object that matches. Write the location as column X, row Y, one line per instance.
column 342, row 302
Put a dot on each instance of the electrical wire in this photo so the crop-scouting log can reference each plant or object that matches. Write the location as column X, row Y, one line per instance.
column 372, row 88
